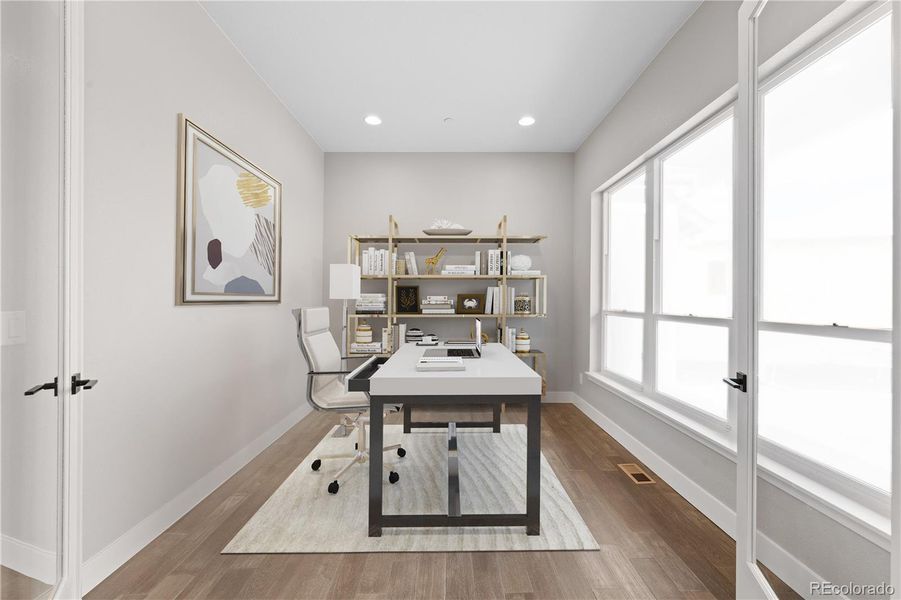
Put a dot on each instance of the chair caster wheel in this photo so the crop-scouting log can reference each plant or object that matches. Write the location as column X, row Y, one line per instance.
column 393, row 477
column 333, row 487
column 401, row 452
column 316, row 464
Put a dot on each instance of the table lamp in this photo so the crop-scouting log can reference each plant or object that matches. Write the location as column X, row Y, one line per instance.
column 344, row 284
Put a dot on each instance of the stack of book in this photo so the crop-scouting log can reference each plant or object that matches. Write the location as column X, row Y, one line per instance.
column 460, row 270
column 414, row 335
column 376, row 262
column 493, row 300
column 437, row 305
column 412, row 269
column 372, row 304
column 369, row 348
column 525, row 273
column 510, row 338
column 497, row 262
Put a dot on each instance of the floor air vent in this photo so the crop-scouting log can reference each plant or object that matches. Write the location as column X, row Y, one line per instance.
column 636, row 473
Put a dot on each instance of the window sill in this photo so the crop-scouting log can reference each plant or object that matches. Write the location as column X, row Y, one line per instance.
column 870, row 524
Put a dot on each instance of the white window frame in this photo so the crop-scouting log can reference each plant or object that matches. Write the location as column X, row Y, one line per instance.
column 846, row 485
column 651, row 314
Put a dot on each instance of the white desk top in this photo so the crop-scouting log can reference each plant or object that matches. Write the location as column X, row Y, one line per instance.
column 498, row 372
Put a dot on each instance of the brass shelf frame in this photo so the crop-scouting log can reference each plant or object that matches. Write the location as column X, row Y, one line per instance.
column 501, row 240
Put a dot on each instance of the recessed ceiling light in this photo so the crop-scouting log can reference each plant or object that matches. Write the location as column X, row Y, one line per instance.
column 527, row 121
column 373, row 120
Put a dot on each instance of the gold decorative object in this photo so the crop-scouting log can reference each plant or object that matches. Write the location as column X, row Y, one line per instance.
column 522, row 304
column 432, row 262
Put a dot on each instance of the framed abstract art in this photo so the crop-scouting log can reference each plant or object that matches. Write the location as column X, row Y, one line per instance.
column 229, row 219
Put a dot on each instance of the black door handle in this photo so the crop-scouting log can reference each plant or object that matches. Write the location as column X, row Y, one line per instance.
column 50, row 385
column 78, row 382
column 739, row 382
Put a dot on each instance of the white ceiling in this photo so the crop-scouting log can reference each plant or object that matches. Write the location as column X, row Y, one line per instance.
column 485, row 64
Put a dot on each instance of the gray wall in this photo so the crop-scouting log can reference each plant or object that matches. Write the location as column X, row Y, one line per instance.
column 475, row 190
column 697, row 66
column 182, row 388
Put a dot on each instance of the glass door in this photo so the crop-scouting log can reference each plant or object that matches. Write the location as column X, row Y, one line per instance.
column 814, row 214
column 31, row 153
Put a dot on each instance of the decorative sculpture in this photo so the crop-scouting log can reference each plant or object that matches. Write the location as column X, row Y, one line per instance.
column 432, row 262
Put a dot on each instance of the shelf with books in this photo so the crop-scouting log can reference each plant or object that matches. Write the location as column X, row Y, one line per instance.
column 379, row 257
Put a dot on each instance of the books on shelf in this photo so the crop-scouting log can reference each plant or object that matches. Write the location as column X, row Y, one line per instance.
column 437, row 311
column 510, row 338
column 371, row 303
column 459, row 270
column 368, row 348
column 497, row 262
column 410, row 257
column 526, row 273
column 376, row 261
column 493, row 300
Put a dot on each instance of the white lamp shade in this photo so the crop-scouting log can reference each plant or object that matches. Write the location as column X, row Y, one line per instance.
column 344, row 282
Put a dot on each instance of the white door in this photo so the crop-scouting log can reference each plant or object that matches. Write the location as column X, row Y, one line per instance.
column 813, row 260
column 749, row 579
column 40, row 415
column 32, row 183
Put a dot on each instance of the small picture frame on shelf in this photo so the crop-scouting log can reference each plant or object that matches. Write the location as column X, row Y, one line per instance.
column 406, row 299
column 470, row 304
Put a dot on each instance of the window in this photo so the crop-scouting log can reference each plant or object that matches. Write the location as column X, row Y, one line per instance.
column 824, row 345
column 826, row 271
column 677, row 349
column 625, row 250
column 624, row 259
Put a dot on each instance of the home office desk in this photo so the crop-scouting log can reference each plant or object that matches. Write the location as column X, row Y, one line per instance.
column 496, row 378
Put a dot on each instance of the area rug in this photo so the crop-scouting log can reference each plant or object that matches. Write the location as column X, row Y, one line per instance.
column 302, row 517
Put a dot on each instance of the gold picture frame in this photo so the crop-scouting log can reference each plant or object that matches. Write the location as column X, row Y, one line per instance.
column 239, row 224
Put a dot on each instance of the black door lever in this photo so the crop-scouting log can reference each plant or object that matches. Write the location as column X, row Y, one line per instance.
column 50, row 385
column 739, row 382
column 78, row 382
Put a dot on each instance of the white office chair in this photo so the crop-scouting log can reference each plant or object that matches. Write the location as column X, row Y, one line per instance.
column 326, row 392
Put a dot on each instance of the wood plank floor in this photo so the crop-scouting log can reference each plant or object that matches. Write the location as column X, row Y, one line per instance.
column 16, row 586
column 654, row 544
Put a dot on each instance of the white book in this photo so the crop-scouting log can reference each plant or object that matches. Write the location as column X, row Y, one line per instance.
column 440, row 363
column 364, row 260
column 372, row 261
column 489, row 297
column 413, row 265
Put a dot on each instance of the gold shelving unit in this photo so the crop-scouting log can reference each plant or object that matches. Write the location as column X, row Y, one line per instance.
column 500, row 240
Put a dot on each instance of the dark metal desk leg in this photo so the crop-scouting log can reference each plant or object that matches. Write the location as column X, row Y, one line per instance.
column 496, row 417
column 376, row 435
column 408, row 417
column 533, row 467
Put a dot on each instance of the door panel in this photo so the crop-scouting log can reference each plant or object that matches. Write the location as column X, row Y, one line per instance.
column 31, row 151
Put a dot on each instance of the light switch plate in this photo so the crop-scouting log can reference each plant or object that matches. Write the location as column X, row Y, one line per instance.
column 12, row 331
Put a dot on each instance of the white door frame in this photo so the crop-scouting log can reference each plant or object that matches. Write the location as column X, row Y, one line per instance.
column 896, row 304
column 71, row 297
column 749, row 579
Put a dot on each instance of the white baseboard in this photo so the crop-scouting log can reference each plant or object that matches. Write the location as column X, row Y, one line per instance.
column 560, row 398
column 104, row 563
column 28, row 559
column 786, row 566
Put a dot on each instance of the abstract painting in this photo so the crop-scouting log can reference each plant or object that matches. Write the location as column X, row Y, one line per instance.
column 230, row 224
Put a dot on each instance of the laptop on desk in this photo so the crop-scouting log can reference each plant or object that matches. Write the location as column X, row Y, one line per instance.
column 467, row 350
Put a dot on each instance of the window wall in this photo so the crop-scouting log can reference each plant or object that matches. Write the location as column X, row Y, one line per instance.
column 825, row 267
column 668, row 257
